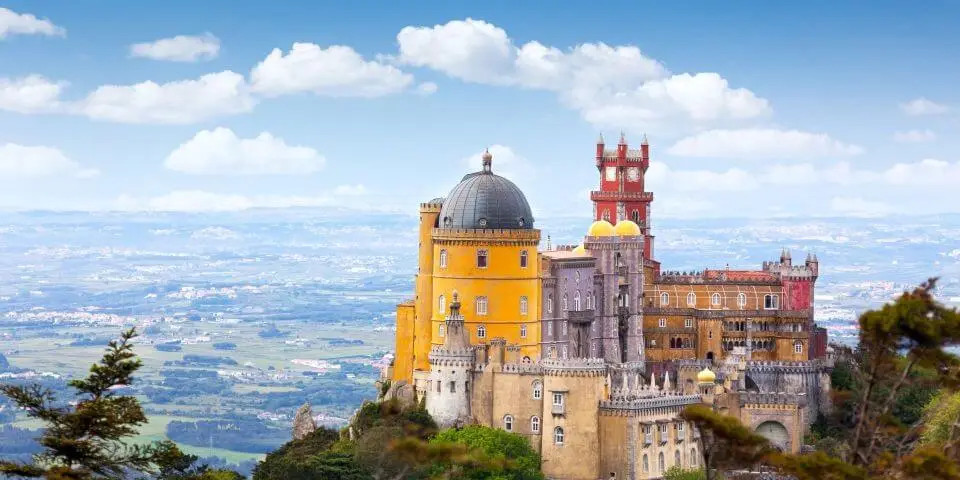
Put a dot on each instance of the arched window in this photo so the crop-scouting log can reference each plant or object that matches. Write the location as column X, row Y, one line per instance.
column 508, row 423
column 481, row 305
column 715, row 299
column 660, row 463
column 523, row 259
column 563, row 327
column 646, row 464
column 664, row 298
column 481, row 332
column 443, row 259
column 798, row 347
column 563, row 303
column 537, row 390
column 635, row 216
column 691, row 299
column 535, row 424
column 523, row 305
column 741, row 300
column 482, row 257
column 576, row 301
column 442, row 330
column 693, row 457
column 442, row 303
column 558, row 436
column 577, row 276
column 549, row 303
column 523, row 330
column 676, row 458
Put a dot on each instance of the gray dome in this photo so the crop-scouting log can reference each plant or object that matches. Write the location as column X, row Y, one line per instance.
column 483, row 200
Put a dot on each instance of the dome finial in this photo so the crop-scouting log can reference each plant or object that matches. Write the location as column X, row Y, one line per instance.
column 487, row 160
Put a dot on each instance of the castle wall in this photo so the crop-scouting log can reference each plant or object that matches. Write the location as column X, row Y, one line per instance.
column 514, row 396
column 792, row 377
column 577, row 457
column 403, row 352
column 424, row 286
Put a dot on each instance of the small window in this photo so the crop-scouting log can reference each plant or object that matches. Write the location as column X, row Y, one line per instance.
column 481, row 305
column 535, row 424
column 549, row 303
column 442, row 303
column 481, row 258
column 664, row 298
column 523, row 330
column 550, row 329
column 635, row 216
column 771, row 302
column 537, row 390
column 439, row 385
column 563, row 351
column 715, row 299
column 693, row 457
column 676, row 457
column 523, row 305
column 741, row 300
column 798, row 347
column 523, row 259
column 508, row 423
column 558, row 399
column 563, row 303
column 481, row 332
column 688, row 323
column 443, row 259
column 661, row 464
column 576, row 301
column 663, row 323
column 563, row 328
column 442, row 330
column 646, row 464
column 691, row 299
column 558, row 436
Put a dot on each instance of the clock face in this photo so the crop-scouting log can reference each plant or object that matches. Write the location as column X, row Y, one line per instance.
column 611, row 173
column 633, row 174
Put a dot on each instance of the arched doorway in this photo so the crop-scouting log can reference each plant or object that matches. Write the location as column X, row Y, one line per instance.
column 710, row 356
column 776, row 433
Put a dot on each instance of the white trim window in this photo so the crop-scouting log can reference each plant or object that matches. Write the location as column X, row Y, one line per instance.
column 549, row 303
column 442, row 330
column 443, row 258
column 523, row 330
column 563, row 351
column 715, row 299
column 662, row 323
column 537, row 390
column 523, row 259
column 557, row 399
column 481, row 305
column 798, row 347
column 691, row 299
column 563, row 328
column 576, row 301
column 508, row 423
column 563, row 303
column 550, row 329
column 688, row 323
column 558, row 436
column 523, row 305
column 664, row 298
column 771, row 302
column 481, row 332
column 483, row 258
column 442, row 303
column 741, row 300
column 535, row 424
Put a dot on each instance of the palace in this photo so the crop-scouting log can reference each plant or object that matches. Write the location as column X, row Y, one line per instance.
column 591, row 351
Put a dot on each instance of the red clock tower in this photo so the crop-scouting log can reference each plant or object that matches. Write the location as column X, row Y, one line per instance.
column 622, row 195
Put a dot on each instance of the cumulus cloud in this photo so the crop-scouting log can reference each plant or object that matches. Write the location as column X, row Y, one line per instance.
column 222, row 152
column 336, row 71
column 427, row 88
column 731, row 180
column 178, row 102
column 923, row 106
column 13, row 23
column 925, row 173
column 915, row 136
column 19, row 161
column 357, row 189
column 30, row 94
column 204, row 201
column 757, row 143
column 506, row 162
column 181, row 48
column 608, row 85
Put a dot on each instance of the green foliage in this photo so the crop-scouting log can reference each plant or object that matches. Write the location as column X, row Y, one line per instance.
column 677, row 473
column 816, row 466
column 296, row 459
column 727, row 443
column 507, row 455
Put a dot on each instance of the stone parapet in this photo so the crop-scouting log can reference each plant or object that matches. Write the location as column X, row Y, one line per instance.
column 574, row 367
column 643, row 405
column 778, row 398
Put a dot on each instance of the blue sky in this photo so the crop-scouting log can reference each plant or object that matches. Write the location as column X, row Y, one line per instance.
column 752, row 108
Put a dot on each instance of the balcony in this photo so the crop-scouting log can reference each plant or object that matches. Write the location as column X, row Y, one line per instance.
column 680, row 436
column 557, row 409
column 615, row 196
column 580, row 316
column 647, row 439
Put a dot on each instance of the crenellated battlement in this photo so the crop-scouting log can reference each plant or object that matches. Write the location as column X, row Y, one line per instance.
column 632, row 407
column 574, row 367
column 755, row 400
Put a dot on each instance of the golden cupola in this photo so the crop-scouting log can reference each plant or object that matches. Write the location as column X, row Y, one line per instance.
column 706, row 376
column 627, row 228
column 600, row 228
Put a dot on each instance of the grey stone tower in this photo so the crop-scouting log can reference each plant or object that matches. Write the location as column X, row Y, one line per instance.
column 451, row 367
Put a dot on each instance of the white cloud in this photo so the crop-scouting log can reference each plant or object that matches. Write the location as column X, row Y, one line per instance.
column 357, row 189
column 761, row 143
column 608, row 85
column 215, row 233
column 181, row 48
column 858, row 207
column 30, row 94
column 915, row 136
column 19, row 161
column 506, row 162
column 13, row 23
column 925, row 173
column 178, row 102
column 732, row 180
column 336, row 71
column 923, row 106
column 427, row 88
column 221, row 152
column 204, row 201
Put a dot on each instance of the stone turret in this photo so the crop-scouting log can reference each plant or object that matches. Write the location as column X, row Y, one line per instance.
column 448, row 390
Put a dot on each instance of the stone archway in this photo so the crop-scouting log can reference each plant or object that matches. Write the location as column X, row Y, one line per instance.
column 778, row 434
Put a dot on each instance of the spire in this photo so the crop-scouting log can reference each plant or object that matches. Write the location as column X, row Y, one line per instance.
column 623, row 138
column 643, row 141
column 487, row 161
column 666, row 380
column 600, row 139
column 653, row 381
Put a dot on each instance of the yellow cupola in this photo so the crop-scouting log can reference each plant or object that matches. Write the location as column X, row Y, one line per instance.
column 600, row 228
column 627, row 228
column 706, row 376
column 579, row 250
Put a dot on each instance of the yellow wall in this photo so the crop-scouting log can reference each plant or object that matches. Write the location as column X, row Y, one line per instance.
column 424, row 286
column 403, row 360
column 503, row 282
